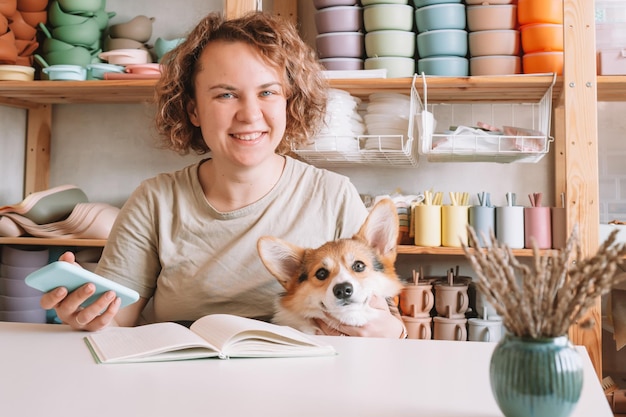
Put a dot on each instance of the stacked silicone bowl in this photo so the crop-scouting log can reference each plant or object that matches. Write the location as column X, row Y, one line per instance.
column 342, row 124
column 18, row 301
column 389, row 37
column 339, row 42
column 441, row 37
column 125, row 42
column 73, row 38
column 18, row 30
column 494, row 40
column 541, row 27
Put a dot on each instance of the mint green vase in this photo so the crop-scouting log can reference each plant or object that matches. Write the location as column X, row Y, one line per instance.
column 536, row 377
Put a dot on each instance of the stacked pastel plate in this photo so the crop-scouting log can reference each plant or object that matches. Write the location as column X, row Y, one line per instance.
column 387, row 120
column 342, row 125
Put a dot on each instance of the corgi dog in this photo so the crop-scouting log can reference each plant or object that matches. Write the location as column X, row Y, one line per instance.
column 339, row 278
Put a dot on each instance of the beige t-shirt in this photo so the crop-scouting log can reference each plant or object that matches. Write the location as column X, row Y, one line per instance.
column 170, row 244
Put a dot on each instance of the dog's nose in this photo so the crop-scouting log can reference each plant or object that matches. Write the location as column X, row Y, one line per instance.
column 343, row 291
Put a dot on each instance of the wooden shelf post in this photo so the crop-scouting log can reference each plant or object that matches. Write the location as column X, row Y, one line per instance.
column 37, row 164
column 576, row 164
column 285, row 8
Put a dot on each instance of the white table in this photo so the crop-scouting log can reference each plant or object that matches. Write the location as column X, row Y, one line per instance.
column 47, row 370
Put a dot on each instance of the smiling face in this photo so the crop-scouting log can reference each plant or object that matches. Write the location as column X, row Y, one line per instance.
column 239, row 104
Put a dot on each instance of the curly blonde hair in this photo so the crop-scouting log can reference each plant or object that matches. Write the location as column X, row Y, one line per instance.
column 279, row 44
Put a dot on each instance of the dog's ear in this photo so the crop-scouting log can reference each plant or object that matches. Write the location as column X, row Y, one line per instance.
column 380, row 229
column 281, row 258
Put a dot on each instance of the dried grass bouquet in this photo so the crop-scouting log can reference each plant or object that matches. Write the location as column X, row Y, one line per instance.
column 545, row 299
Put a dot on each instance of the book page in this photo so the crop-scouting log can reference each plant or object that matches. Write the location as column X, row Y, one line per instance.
column 240, row 336
column 146, row 343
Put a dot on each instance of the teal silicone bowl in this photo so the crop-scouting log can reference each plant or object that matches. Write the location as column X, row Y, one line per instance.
column 440, row 16
column 96, row 71
column 451, row 66
column 442, row 42
column 65, row 72
column 424, row 3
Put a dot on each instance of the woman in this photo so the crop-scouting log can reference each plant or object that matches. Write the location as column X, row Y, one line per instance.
column 244, row 90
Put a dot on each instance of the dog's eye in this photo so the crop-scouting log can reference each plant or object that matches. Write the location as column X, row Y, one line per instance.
column 358, row 266
column 321, row 274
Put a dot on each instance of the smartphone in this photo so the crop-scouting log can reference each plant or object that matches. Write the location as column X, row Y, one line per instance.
column 70, row 276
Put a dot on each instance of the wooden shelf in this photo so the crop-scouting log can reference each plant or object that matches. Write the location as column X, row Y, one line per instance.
column 32, row 93
column 402, row 249
column 518, row 88
column 611, row 87
column 37, row 241
column 440, row 250
column 488, row 89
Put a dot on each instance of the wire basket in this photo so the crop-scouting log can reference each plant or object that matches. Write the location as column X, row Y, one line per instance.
column 461, row 142
column 395, row 151
column 369, row 150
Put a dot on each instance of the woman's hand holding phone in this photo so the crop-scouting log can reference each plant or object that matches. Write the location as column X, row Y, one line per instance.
column 71, row 307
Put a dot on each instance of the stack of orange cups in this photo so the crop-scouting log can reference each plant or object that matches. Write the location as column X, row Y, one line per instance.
column 541, row 28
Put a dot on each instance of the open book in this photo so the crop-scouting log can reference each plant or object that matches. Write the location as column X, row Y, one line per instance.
column 216, row 335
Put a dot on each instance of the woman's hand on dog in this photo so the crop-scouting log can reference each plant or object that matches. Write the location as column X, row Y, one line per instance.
column 385, row 324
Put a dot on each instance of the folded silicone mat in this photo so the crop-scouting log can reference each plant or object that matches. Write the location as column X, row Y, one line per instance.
column 48, row 206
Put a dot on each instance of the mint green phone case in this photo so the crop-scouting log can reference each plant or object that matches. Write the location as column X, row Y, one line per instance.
column 70, row 276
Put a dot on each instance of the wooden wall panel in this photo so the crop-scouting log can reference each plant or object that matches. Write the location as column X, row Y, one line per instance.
column 235, row 8
column 285, row 8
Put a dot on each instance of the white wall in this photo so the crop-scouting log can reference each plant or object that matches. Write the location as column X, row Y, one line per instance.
column 12, row 153
column 612, row 154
